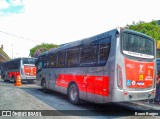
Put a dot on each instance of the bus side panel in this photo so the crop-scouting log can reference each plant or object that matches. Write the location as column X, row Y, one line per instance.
column 94, row 83
column 90, row 84
column 13, row 75
column 91, row 88
column 63, row 81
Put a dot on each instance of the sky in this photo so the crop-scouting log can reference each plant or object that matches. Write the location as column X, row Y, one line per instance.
column 27, row 23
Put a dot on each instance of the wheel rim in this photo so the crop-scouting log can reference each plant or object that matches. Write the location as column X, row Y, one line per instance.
column 73, row 93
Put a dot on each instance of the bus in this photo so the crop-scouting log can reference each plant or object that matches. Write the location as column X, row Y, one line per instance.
column 158, row 65
column 114, row 66
column 25, row 67
column 157, row 97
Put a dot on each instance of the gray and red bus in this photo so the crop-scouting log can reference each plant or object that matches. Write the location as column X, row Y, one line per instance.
column 25, row 67
column 114, row 66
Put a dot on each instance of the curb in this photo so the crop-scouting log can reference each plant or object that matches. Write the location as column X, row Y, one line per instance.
column 139, row 105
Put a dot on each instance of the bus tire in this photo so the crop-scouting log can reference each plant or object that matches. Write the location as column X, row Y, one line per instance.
column 44, row 89
column 73, row 94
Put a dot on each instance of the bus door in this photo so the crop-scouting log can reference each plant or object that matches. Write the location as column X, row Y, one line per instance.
column 39, row 65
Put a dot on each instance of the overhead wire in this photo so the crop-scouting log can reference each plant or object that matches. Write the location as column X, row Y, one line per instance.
column 18, row 36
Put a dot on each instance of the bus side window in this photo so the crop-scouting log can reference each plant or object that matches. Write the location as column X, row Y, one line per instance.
column 46, row 62
column 52, row 60
column 104, row 53
column 89, row 55
column 104, row 50
column 84, row 57
column 13, row 65
column 60, row 60
column 72, row 57
column 17, row 64
column 39, row 65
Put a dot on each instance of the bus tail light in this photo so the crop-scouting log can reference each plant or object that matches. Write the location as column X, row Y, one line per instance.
column 119, row 77
column 125, row 93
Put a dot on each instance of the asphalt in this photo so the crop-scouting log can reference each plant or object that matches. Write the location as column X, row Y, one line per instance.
column 141, row 105
column 14, row 98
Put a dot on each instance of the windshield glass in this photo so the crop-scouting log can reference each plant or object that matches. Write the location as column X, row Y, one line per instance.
column 138, row 46
column 28, row 61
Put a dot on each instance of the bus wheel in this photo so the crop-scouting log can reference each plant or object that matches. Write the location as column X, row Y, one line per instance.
column 73, row 94
column 44, row 89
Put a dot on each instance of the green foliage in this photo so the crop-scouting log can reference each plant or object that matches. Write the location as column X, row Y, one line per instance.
column 152, row 28
column 42, row 48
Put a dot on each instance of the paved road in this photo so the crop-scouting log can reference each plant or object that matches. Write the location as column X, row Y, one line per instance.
column 31, row 97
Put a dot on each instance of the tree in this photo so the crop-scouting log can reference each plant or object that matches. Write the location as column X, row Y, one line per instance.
column 152, row 28
column 38, row 49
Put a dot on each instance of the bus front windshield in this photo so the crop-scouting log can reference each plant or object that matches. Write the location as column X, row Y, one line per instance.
column 137, row 46
column 28, row 61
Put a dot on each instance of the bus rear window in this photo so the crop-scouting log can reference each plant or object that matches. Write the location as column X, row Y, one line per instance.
column 28, row 61
column 138, row 46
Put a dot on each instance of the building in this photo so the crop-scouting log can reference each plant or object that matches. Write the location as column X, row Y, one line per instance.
column 3, row 56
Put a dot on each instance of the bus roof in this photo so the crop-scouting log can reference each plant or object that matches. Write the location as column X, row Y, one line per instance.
column 19, row 58
column 136, row 32
column 113, row 32
column 83, row 41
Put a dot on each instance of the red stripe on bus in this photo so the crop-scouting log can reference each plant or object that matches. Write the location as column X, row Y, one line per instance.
column 91, row 84
column 14, row 74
